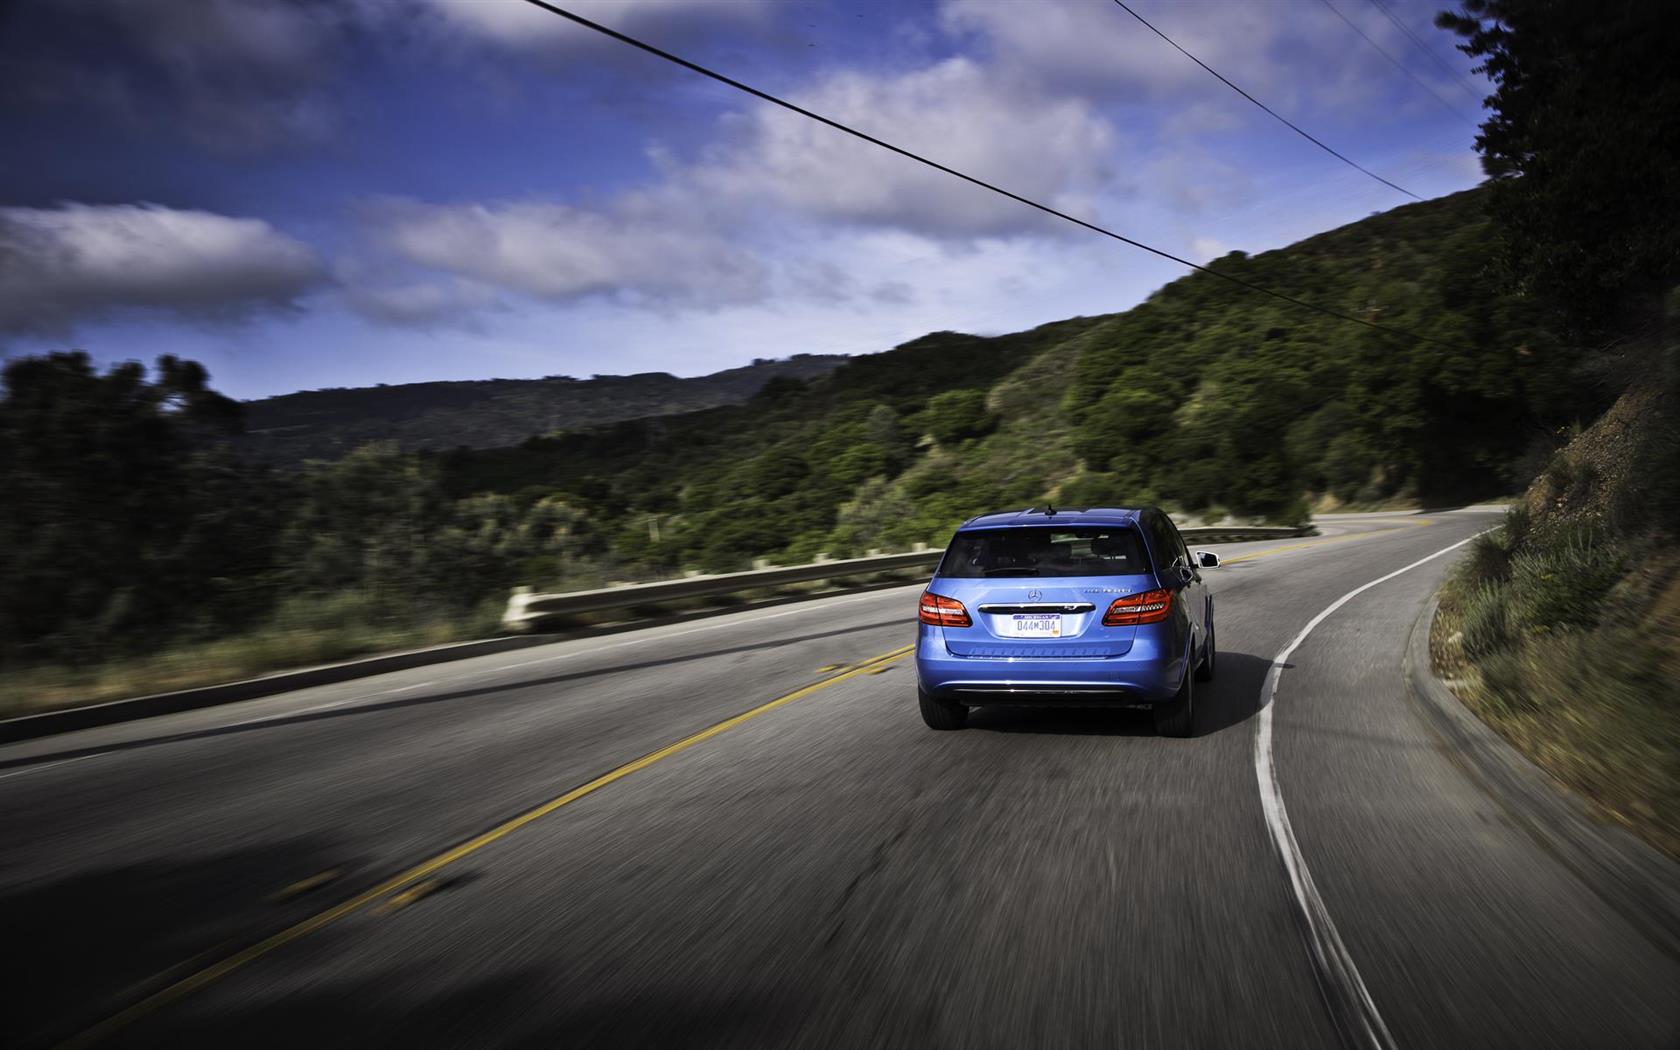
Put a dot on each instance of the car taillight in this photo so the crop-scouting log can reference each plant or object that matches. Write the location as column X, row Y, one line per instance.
column 941, row 611
column 1148, row 607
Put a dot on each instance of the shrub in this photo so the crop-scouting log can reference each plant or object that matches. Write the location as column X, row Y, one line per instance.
column 1295, row 513
column 958, row 414
column 1518, row 523
column 1488, row 561
column 1505, row 681
column 1564, row 584
column 1093, row 490
column 1486, row 620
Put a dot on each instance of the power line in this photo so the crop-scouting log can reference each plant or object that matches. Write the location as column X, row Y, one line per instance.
column 1275, row 114
column 1430, row 54
column 918, row 158
column 1401, row 66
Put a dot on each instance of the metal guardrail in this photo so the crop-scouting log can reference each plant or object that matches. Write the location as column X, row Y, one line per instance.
column 526, row 609
column 1243, row 533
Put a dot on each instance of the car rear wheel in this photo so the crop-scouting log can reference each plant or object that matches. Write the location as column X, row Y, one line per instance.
column 1177, row 716
column 941, row 714
column 1204, row 670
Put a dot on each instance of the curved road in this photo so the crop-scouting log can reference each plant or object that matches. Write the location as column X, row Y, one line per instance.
column 408, row 859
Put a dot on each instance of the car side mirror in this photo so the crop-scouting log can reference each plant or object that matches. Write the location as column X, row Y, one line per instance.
column 1207, row 559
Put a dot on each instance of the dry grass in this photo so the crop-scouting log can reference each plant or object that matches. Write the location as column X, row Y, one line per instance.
column 1595, row 704
column 303, row 634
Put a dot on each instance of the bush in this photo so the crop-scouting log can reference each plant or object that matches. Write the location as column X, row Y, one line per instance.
column 958, row 414
column 1488, row 561
column 1564, row 584
column 1486, row 620
column 1518, row 523
column 1596, row 709
column 1094, row 490
column 1504, row 676
column 1294, row 514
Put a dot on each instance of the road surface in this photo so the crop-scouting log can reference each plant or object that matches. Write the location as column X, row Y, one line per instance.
column 406, row 859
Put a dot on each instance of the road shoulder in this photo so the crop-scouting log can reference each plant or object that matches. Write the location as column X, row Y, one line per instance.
column 1630, row 876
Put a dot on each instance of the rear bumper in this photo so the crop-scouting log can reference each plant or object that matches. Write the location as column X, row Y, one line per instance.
column 1149, row 673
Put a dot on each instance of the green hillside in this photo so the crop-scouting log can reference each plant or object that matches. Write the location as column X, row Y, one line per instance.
column 1207, row 397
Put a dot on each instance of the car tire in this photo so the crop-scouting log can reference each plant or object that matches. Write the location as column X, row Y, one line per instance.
column 1210, row 652
column 941, row 714
column 1177, row 716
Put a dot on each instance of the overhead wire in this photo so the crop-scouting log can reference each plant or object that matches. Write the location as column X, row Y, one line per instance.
column 1427, row 51
column 765, row 96
column 1280, row 118
column 1401, row 66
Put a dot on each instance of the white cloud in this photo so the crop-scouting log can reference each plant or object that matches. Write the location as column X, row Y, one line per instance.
column 1055, row 149
column 907, row 285
column 420, row 302
column 521, row 26
column 76, row 262
column 554, row 251
column 744, row 220
column 1207, row 249
column 1070, row 43
column 1291, row 55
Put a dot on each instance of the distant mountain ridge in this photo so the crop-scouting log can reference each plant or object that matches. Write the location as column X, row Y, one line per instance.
column 490, row 413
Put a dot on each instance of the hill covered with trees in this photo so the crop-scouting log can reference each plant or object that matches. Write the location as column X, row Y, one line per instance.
column 1207, row 397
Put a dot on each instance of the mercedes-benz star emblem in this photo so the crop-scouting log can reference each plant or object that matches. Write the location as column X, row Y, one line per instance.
column 1033, row 596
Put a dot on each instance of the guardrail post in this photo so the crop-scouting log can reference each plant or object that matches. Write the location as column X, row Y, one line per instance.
column 516, row 615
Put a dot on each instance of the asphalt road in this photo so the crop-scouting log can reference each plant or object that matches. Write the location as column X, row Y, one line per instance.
column 337, row 867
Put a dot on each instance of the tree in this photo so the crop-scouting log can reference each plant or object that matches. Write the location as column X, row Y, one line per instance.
column 120, row 513
column 958, row 414
column 1582, row 145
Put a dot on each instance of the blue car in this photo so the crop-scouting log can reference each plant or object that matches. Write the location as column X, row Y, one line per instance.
column 1104, row 606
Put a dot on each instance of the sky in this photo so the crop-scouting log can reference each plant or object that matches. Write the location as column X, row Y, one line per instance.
column 324, row 193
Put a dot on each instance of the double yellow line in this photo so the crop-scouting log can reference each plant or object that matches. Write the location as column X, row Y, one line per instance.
column 401, row 881
column 407, row 879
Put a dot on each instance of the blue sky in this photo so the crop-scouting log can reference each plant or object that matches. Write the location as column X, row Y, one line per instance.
column 307, row 194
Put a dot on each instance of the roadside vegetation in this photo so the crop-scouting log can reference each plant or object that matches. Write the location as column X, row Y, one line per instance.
column 1562, row 628
column 302, row 632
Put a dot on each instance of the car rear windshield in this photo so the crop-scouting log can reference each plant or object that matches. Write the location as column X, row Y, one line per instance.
column 1045, row 552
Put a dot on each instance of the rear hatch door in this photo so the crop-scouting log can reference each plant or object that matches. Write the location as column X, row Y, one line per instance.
column 1040, row 618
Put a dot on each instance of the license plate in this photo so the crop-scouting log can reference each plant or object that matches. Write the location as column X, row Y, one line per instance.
column 1030, row 625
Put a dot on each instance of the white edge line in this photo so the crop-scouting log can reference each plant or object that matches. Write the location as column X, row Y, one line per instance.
column 1333, row 965
column 38, row 767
